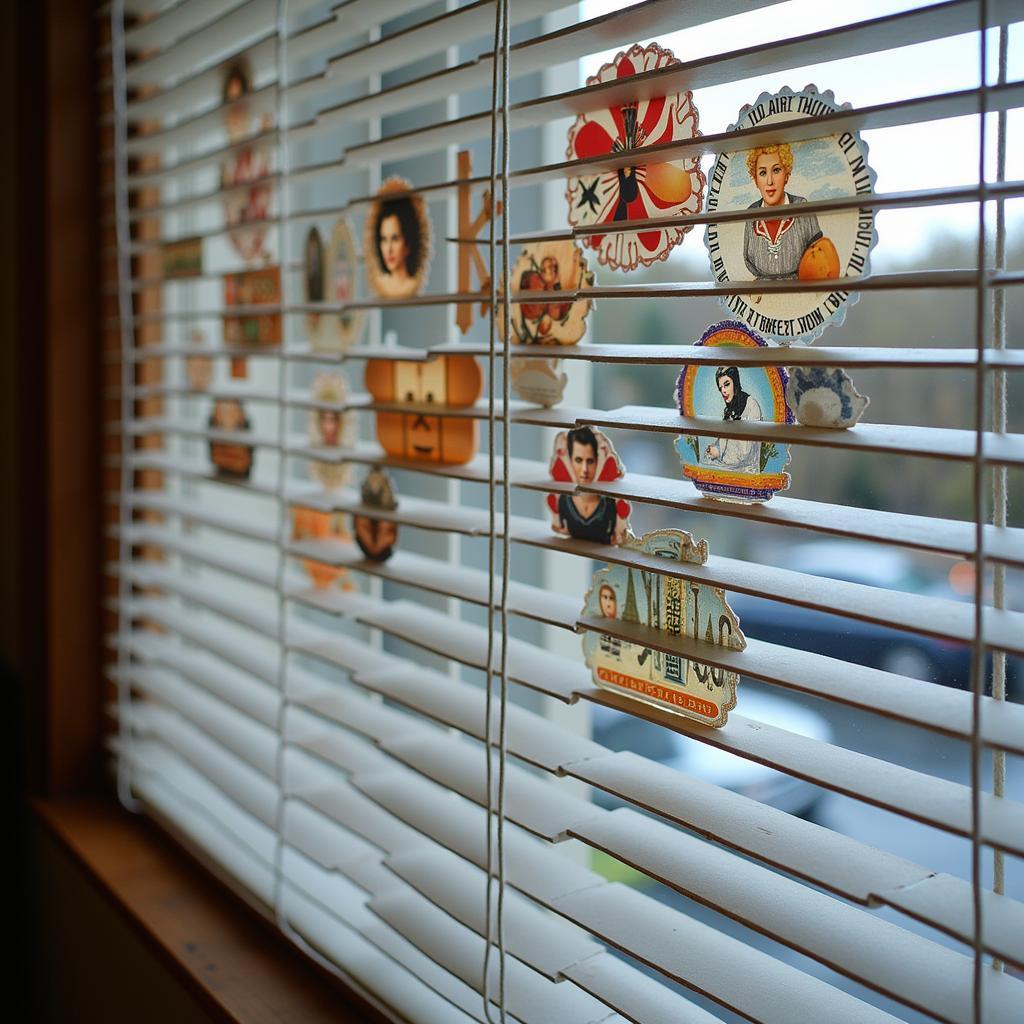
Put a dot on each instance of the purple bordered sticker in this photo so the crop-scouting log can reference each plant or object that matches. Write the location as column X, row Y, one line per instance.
column 777, row 177
column 733, row 468
column 629, row 602
column 640, row 190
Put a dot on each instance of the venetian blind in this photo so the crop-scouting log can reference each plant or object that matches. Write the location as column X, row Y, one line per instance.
column 404, row 761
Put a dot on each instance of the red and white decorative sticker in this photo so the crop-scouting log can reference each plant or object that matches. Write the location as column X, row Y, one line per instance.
column 642, row 190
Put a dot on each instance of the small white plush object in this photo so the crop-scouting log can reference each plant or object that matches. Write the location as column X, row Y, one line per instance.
column 824, row 396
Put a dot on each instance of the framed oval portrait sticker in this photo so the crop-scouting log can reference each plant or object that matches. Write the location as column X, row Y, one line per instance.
column 738, row 467
column 639, row 190
column 396, row 241
column 775, row 180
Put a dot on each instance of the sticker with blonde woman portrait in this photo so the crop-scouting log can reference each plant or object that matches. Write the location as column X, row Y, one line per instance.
column 330, row 427
column 737, row 468
column 640, row 190
column 625, row 602
column 779, row 244
column 396, row 241
column 329, row 276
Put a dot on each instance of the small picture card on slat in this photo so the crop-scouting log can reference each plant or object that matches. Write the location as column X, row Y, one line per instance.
column 639, row 600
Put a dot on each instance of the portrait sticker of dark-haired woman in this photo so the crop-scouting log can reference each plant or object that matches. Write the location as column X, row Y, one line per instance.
column 397, row 241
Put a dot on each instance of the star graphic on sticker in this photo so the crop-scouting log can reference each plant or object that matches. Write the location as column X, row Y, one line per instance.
column 589, row 196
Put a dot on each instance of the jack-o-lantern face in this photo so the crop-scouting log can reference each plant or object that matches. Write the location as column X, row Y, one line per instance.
column 445, row 382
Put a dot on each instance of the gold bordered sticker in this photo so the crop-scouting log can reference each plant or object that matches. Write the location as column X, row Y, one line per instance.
column 776, row 179
column 584, row 457
column 641, row 190
column 377, row 537
column 396, row 241
column 733, row 468
column 625, row 603
column 420, row 428
column 330, row 426
column 329, row 275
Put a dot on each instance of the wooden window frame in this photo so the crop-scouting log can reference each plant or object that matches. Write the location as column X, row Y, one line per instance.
column 51, row 542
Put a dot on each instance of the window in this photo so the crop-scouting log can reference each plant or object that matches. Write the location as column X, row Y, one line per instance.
column 348, row 665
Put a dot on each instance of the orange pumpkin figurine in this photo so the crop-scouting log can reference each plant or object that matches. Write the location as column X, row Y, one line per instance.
column 452, row 382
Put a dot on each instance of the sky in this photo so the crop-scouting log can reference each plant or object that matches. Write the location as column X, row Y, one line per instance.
column 948, row 149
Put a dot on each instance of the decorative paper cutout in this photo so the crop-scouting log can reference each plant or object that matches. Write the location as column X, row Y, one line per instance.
column 330, row 428
column 330, row 276
column 425, row 433
column 230, row 459
column 469, row 252
column 810, row 248
column 245, row 166
column 582, row 457
column 396, row 242
column 377, row 537
column 676, row 607
column 824, row 396
column 729, row 468
column 538, row 380
column 641, row 190
column 310, row 524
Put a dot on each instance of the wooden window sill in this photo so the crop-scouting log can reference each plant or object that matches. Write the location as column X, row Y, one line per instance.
column 227, row 955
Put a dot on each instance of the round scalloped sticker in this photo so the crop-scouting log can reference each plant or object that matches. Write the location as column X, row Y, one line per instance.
column 668, row 189
column 776, row 178
column 739, row 469
column 396, row 241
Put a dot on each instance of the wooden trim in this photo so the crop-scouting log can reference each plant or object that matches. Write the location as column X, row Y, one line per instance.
column 225, row 953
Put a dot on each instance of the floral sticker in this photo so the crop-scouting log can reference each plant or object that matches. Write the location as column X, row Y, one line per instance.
column 669, row 189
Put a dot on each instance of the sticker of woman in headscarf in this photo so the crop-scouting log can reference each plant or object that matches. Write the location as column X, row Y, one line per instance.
column 377, row 537
column 396, row 242
column 739, row 456
column 732, row 468
column 779, row 247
